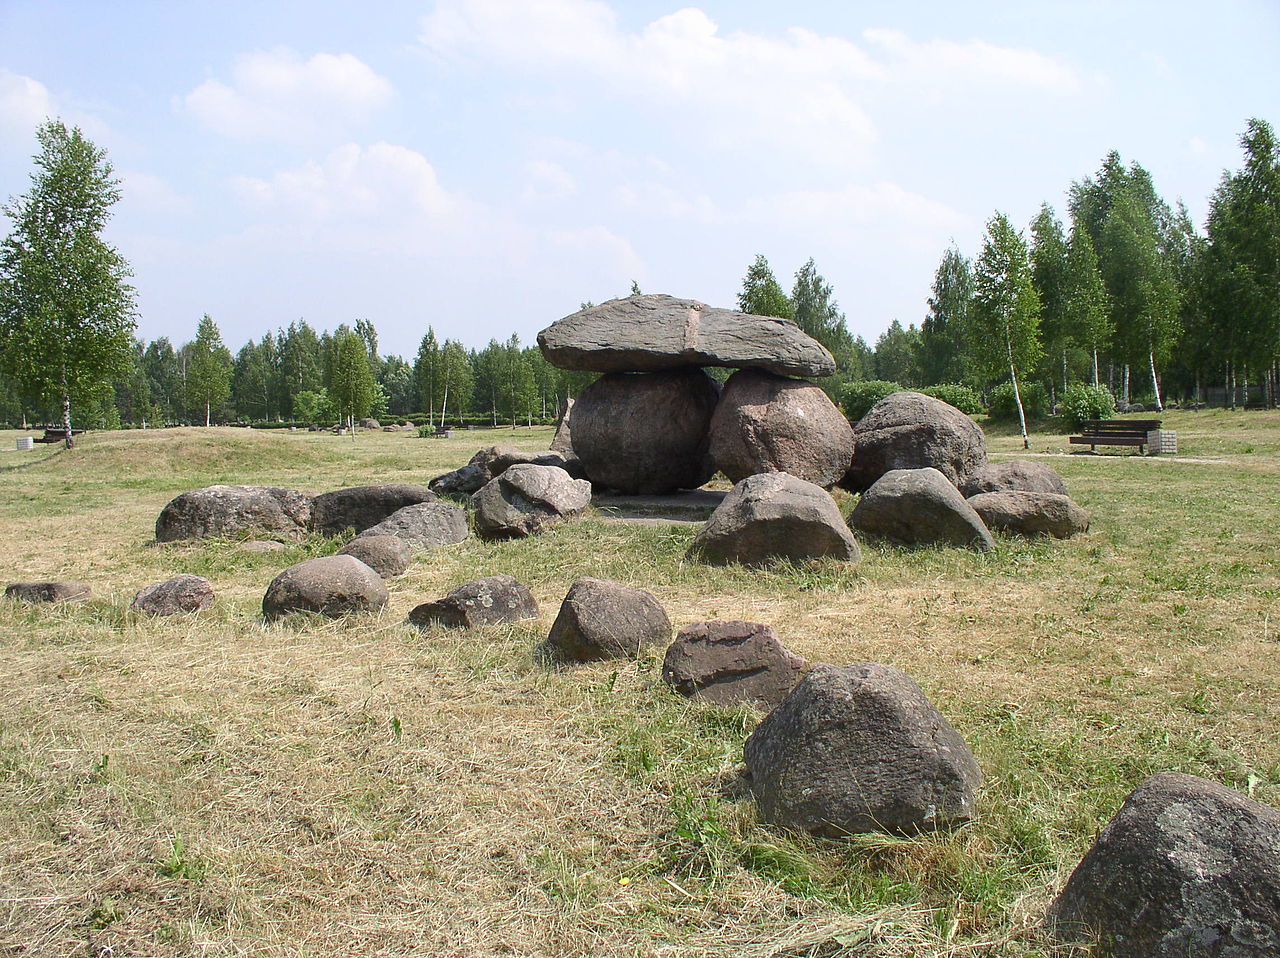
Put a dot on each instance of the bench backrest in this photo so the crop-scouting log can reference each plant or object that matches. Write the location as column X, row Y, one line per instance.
column 1119, row 427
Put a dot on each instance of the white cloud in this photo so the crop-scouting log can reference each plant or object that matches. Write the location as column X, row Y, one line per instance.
column 548, row 180
column 383, row 208
column 382, row 183
column 945, row 61
column 24, row 103
column 731, row 86
column 660, row 200
column 798, row 90
column 1197, row 146
column 277, row 95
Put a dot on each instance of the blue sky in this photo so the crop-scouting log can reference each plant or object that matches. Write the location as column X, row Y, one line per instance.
column 483, row 166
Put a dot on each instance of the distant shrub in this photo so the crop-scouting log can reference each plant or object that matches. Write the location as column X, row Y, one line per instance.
column 1035, row 401
column 958, row 395
column 426, row 431
column 1084, row 401
column 858, row 398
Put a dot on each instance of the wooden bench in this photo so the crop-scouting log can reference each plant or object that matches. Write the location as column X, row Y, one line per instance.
column 1115, row 432
column 58, row 435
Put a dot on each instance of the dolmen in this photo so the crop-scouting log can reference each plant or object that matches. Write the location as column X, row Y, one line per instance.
column 655, row 422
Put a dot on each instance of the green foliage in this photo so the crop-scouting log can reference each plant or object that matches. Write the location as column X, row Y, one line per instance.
column 255, row 379
column 1084, row 401
column 942, row 334
column 1003, row 328
column 1049, row 275
column 761, row 295
column 1088, row 308
column 897, row 355
column 301, row 368
column 1003, row 406
column 817, row 313
column 959, row 395
column 1239, row 282
column 314, row 407
column 351, row 384
column 209, row 368
column 181, row 864
column 66, row 310
column 858, row 398
column 1144, row 293
column 1004, row 320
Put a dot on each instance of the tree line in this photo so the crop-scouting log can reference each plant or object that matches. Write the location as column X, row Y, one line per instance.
column 299, row 375
column 1127, row 295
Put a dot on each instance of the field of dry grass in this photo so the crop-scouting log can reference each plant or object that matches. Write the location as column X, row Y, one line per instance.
column 212, row 785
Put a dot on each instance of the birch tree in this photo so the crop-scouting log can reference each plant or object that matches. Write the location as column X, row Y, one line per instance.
column 1004, row 319
column 66, row 308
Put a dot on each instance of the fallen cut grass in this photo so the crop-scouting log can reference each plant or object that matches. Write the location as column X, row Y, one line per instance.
column 213, row 785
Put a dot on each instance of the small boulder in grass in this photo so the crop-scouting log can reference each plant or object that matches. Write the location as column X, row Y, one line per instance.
column 857, row 749
column 1030, row 514
column 1186, row 867
column 182, row 593
column 1013, row 475
column 360, row 507
column 527, row 499
column 727, row 662
column 44, row 592
column 493, row 600
column 462, row 481
column 919, row 507
column 427, row 525
column 600, row 619
column 388, row 556
column 330, row 586
column 774, row 516
column 261, row 546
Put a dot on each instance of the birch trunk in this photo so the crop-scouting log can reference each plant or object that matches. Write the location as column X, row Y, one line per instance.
column 66, row 410
column 1155, row 383
column 1017, row 398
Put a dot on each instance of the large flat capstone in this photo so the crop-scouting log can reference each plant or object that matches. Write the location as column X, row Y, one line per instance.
column 655, row 332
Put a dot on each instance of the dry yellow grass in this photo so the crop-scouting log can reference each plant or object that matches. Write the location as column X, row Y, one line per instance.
column 211, row 785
